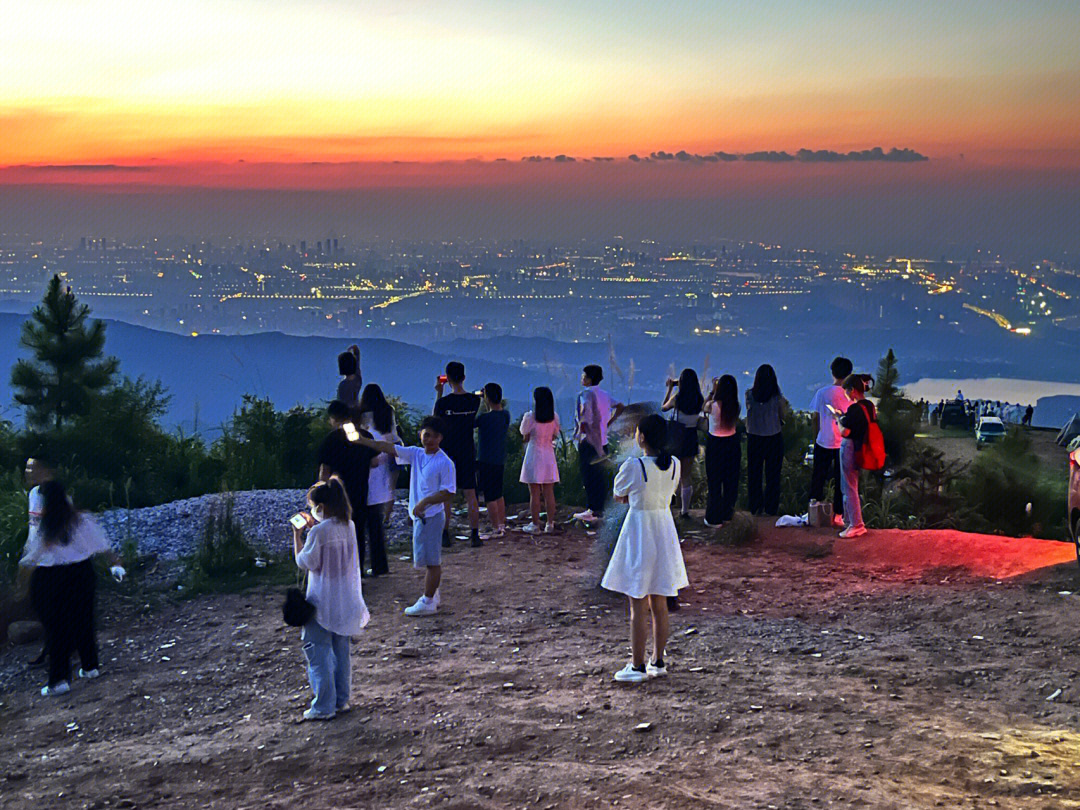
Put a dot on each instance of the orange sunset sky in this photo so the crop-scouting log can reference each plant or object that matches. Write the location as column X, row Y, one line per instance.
column 329, row 95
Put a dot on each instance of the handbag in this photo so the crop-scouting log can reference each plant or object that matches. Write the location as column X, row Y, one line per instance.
column 297, row 610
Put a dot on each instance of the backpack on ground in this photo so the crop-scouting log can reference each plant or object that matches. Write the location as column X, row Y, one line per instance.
column 871, row 455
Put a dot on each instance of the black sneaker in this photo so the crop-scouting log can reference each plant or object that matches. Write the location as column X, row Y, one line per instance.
column 447, row 541
column 476, row 542
column 672, row 604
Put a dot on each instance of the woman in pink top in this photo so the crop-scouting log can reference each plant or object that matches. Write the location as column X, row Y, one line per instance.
column 539, row 470
column 723, row 450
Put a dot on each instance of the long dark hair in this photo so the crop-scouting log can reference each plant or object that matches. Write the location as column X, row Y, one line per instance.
column 765, row 385
column 654, row 431
column 347, row 364
column 330, row 495
column 382, row 415
column 689, row 398
column 58, row 516
column 543, row 405
column 726, row 394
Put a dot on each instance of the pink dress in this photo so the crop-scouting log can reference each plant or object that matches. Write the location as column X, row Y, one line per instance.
column 539, row 466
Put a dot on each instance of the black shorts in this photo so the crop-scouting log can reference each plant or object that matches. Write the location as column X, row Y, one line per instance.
column 465, row 467
column 489, row 480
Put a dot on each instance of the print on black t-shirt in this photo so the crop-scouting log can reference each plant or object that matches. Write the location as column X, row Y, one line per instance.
column 458, row 413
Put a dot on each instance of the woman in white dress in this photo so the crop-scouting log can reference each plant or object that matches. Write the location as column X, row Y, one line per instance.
column 539, row 470
column 647, row 563
column 377, row 418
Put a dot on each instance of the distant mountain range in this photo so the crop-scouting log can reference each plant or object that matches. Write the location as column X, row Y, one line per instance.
column 207, row 375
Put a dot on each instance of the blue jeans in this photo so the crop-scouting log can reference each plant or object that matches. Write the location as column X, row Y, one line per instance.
column 849, row 484
column 329, row 669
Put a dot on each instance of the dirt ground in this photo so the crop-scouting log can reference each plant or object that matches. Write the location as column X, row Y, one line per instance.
column 806, row 672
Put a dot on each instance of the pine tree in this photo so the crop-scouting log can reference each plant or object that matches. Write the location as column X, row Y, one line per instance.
column 68, row 368
column 885, row 381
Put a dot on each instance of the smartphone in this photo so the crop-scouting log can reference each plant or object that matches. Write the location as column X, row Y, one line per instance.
column 833, row 410
column 299, row 520
column 443, row 379
column 351, row 433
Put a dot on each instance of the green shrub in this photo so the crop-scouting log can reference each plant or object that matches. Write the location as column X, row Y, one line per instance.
column 1002, row 482
column 224, row 555
column 13, row 526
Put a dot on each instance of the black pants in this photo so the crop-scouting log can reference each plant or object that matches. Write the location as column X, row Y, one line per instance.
column 826, row 468
column 764, row 454
column 63, row 597
column 369, row 524
column 723, row 459
column 592, row 478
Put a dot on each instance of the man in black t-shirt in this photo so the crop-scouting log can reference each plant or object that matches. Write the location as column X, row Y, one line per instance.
column 351, row 462
column 458, row 410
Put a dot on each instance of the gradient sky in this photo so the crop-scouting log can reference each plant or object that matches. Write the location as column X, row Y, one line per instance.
column 237, row 94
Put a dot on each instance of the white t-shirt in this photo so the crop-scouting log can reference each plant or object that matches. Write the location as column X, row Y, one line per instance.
column 428, row 473
column 86, row 540
column 34, row 507
column 828, row 431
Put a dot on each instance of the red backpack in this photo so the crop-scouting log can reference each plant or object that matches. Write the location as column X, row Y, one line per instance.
column 871, row 455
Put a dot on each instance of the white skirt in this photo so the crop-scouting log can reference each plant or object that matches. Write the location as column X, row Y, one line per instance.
column 647, row 560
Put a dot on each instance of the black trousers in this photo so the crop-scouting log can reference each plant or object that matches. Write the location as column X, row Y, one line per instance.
column 826, row 467
column 369, row 524
column 764, row 454
column 723, row 460
column 63, row 597
column 592, row 478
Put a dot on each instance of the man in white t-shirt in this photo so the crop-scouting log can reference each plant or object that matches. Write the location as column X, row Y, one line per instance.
column 432, row 483
column 826, row 402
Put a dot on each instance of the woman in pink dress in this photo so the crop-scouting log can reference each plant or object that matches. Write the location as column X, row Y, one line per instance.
column 539, row 470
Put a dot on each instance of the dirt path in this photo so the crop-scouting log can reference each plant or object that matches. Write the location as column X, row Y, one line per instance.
column 804, row 674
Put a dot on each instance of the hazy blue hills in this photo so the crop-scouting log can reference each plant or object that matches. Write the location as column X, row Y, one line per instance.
column 209, row 374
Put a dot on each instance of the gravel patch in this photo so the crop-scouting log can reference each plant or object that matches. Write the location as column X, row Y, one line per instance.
column 174, row 529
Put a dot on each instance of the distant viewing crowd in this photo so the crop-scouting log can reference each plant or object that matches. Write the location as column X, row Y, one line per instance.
column 462, row 450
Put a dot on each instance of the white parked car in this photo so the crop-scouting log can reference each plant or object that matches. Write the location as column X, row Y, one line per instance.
column 988, row 429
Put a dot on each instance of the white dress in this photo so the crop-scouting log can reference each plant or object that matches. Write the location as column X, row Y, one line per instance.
column 539, row 466
column 380, row 478
column 647, row 559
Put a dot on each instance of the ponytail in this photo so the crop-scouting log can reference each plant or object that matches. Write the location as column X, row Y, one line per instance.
column 331, row 496
column 654, row 430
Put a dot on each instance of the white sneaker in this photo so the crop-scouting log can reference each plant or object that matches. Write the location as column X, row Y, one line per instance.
column 838, row 521
column 586, row 517
column 423, row 607
column 437, row 598
column 549, row 528
column 853, row 531
column 630, row 675
column 89, row 674
column 344, row 709
column 654, row 671
column 61, row 688
column 530, row 528
column 311, row 714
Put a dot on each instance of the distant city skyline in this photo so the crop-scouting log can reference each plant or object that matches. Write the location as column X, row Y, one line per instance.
column 442, row 120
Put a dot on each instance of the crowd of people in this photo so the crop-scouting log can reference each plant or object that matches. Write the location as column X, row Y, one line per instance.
column 462, row 451
column 1011, row 413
